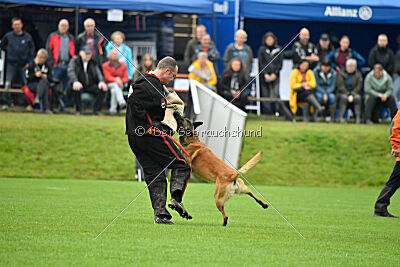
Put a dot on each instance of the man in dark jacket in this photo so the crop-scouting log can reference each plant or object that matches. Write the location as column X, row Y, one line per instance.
column 304, row 49
column 20, row 50
column 155, row 151
column 269, row 71
column 85, row 76
column 324, row 46
column 92, row 39
column 382, row 54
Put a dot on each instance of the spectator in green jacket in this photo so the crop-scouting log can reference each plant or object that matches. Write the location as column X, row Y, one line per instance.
column 378, row 89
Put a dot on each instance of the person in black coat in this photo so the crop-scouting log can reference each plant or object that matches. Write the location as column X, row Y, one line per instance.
column 270, row 58
column 39, row 77
column 145, row 110
column 382, row 54
column 85, row 76
column 232, row 84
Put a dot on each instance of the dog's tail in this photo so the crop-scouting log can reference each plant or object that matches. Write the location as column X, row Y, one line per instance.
column 253, row 161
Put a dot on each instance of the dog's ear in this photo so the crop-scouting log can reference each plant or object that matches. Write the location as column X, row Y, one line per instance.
column 179, row 119
column 197, row 124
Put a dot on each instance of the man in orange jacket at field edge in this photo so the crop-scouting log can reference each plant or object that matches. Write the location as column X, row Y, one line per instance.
column 393, row 183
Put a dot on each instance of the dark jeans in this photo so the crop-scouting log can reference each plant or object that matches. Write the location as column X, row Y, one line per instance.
column 374, row 106
column 154, row 154
column 388, row 190
column 13, row 71
column 41, row 90
column 92, row 89
column 343, row 104
column 60, row 73
column 271, row 90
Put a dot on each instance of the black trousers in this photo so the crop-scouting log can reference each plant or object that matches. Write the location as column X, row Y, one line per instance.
column 388, row 190
column 41, row 90
column 91, row 89
column 374, row 106
column 154, row 154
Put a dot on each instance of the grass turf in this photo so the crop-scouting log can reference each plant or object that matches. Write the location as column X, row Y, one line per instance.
column 53, row 222
column 65, row 146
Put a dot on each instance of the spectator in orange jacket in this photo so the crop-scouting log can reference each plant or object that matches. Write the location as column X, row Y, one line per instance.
column 393, row 183
column 115, row 75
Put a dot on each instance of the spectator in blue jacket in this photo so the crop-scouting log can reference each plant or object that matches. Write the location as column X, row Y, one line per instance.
column 125, row 52
column 340, row 56
column 20, row 50
column 325, row 78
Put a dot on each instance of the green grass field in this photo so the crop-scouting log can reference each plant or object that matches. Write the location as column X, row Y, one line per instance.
column 54, row 222
column 323, row 177
column 65, row 146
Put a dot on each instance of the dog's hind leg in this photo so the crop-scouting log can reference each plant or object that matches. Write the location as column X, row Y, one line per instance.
column 221, row 197
column 220, row 207
column 243, row 189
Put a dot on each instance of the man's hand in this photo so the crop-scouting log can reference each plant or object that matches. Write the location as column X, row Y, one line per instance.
column 314, row 57
column 119, row 82
column 273, row 77
column 44, row 75
column 235, row 94
column 383, row 97
column 26, row 66
column 396, row 152
column 103, row 86
column 337, row 69
column 76, row 86
column 38, row 74
column 325, row 98
column 350, row 98
column 267, row 77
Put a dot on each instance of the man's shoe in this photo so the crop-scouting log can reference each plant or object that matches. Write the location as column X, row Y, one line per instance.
column 158, row 220
column 178, row 207
column 385, row 214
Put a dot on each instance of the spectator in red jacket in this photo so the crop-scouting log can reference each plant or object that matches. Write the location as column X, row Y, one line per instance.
column 115, row 75
column 61, row 48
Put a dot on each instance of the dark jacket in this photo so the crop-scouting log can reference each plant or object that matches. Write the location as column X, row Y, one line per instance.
column 265, row 57
column 190, row 50
column 334, row 55
column 33, row 68
column 53, row 45
column 213, row 53
column 20, row 49
column 341, row 83
column 397, row 62
column 322, row 53
column 225, row 87
column 100, row 46
column 300, row 51
column 77, row 73
column 245, row 54
column 382, row 55
column 146, row 105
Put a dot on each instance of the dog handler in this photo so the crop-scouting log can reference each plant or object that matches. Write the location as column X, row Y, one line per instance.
column 147, row 103
column 393, row 183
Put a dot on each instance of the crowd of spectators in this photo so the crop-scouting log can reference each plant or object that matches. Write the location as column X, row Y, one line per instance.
column 324, row 78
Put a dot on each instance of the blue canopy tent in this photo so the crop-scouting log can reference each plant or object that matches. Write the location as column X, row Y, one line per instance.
column 356, row 11
column 176, row 6
column 361, row 20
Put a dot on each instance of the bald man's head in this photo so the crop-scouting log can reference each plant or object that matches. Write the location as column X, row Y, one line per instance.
column 304, row 35
column 63, row 26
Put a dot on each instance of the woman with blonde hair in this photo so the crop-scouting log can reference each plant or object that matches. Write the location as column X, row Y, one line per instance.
column 148, row 64
column 125, row 54
column 202, row 70
column 39, row 77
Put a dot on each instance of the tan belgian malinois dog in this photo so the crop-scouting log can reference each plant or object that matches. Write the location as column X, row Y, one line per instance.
column 209, row 167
